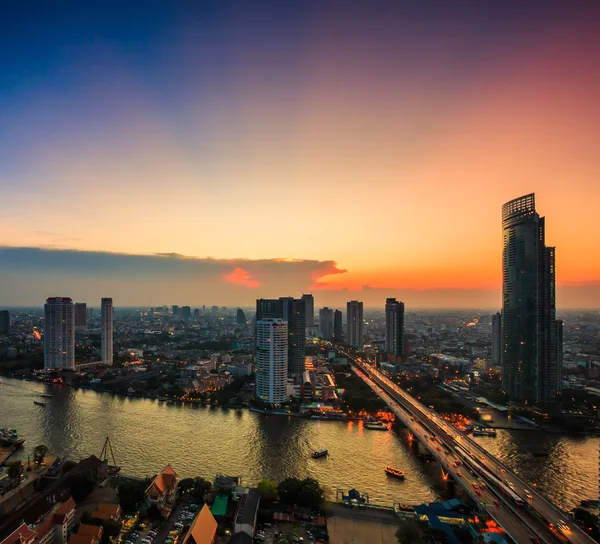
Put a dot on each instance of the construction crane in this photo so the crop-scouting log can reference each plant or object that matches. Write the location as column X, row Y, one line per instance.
column 104, row 456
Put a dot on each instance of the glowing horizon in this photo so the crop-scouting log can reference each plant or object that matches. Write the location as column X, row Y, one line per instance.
column 380, row 139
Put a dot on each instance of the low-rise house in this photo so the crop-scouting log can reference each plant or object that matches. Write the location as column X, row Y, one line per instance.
column 86, row 534
column 56, row 524
column 162, row 491
column 247, row 512
column 107, row 511
column 203, row 529
column 21, row 535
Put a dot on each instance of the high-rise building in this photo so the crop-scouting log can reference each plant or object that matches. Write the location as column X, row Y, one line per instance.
column 354, row 319
column 175, row 310
column 394, row 328
column 106, row 333
column 240, row 317
column 326, row 323
column 497, row 338
column 531, row 335
column 4, row 322
column 185, row 312
column 196, row 313
column 293, row 311
column 338, row 334
column 309, row 301
column 80, row 315
column 271, row 360
column 59, row 333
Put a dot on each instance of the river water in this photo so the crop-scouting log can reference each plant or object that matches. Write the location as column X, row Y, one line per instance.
column 146, row 435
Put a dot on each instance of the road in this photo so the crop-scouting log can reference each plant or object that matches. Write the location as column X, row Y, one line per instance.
column 504, row 492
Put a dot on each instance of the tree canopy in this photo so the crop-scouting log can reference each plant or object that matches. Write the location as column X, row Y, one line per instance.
column 305, row 492
column 267, row 490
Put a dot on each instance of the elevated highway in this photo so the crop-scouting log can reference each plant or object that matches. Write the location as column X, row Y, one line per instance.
column 518, row 508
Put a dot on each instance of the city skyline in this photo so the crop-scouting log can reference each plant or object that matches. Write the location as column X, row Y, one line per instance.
column 158, row 136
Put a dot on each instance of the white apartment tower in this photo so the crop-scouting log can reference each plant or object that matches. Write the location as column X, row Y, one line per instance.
column 106, row 318
column 271, row 360
column 59, row 333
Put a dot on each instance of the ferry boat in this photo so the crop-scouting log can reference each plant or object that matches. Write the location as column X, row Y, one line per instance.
column 39, row 403
column 9, row 437
column 391, row 471
column 484, row 431
column 376, row 426
column 46, row 396
column 319, row 453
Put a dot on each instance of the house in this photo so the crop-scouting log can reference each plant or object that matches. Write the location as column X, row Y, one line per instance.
column 87, row 534
column 161, row 492
column 56, row 524
column 203, row 529
column 107, row 511
column 21, row 535
column 247, row 511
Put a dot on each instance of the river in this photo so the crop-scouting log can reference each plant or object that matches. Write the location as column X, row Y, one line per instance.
column 146, row 435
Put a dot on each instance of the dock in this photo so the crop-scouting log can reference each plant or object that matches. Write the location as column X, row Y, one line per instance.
column 6, row 452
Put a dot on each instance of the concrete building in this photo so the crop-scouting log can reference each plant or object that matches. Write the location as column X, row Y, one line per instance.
column 271, row 360
column 185, row 312
column 240, row 317
column 497, row 338
column 80, row 315
column 4, row 322
column 247, row 512
column 338, row 334
column 106, row 333
column 394, row 329
column 326, row 323
column 531, row 335
column 309, row 302
column 354, row 320
column 59, row 333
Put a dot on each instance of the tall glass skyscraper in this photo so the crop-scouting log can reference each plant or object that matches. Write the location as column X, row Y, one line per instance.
column 531, row 335
column 354, row 317
column 394, row 328
column 59, row 333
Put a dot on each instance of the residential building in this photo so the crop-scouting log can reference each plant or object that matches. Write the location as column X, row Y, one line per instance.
column 309, row 304
column 55, row 525
column 531, row 335
column 80, row 315
column 163, row 489
column 203, row 529
column 326, row 323
column 354, row 319
column 497, row 338
column 107, row 511
column 86, row 534
column 4, row 322
column 59, row 333
column 21, row 535
column 394, row 329
column 338, row 334
column 293, row 311
column 240, row 317
column 106, row 334
column 247, row 512
column 271, row 360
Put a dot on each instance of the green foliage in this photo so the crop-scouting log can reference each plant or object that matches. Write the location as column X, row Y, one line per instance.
column 39, row 453
column 111, row 530
column 131, row 493
column 201, row 488
column 186, row 485
column 154, row 513
column 305, row 492
column 82, row 484
column 411, row 532
column 267, row 490
column 69, row 465
column 15, row 470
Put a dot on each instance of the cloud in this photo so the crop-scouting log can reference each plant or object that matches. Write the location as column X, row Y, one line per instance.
column 241, row 277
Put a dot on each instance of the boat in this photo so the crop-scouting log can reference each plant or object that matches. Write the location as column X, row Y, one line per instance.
column 39, row 403
column 484, row 431
column 9, row 437
column 46, row 396
column 319, row 453
column 376, row 426
column 397, row 473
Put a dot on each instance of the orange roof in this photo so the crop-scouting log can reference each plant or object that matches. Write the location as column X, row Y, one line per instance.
column 109, row 508
column 203, row 528
column 86, row 529
column 164, row 482
column 68, row 505
column 21, row 534
column 101, row 515
column 81, row 539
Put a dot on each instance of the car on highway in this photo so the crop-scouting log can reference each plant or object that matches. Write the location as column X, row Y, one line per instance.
column 475, row 486
column 459, row 474
column 496, row 502
column 478, row 492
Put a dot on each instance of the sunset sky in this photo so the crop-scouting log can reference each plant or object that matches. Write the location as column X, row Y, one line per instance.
column 217, row 152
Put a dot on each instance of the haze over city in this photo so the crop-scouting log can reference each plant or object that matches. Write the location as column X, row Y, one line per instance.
column 221, row 153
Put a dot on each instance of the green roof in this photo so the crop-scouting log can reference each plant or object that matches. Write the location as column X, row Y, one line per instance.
column 219, row 507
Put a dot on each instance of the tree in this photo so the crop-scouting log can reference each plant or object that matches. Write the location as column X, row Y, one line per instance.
column 154, row 513
column 39, row 453
column 131, row 493
column 201, row 487
column 68, row 466
column 305, row 492
column 289, row 490
column 15, row 470
column 82, row 484
column 185, row 485
column 410, row 532
column 111, row 530
column 267, row 490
